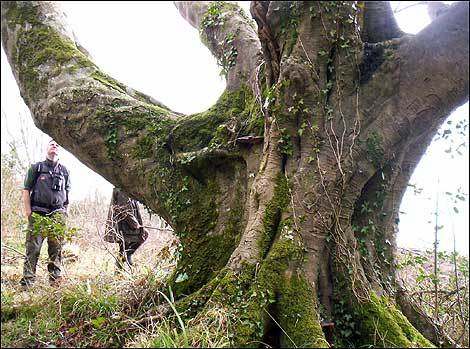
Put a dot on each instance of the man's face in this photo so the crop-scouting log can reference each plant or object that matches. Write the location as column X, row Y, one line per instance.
column 52, row 149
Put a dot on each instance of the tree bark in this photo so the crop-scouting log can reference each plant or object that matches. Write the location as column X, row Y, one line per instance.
column 285, row 193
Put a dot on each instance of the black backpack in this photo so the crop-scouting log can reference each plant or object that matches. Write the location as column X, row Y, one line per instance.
column 39, row 168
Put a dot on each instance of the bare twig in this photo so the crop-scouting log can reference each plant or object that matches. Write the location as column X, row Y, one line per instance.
column 13, row 249
column 162, row 310
column 397, row 9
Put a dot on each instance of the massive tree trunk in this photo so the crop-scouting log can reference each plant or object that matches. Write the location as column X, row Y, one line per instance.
column 285, row 193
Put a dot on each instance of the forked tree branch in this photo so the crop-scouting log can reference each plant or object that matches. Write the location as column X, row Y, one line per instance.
column 434, row 69
column 229, row 34
column 428, row 70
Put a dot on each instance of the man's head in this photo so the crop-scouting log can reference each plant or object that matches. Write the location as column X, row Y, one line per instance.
column 52, row 150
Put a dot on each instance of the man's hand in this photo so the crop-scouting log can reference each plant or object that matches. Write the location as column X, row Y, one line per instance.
column 26, row 203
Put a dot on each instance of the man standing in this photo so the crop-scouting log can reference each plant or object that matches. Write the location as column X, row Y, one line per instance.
column 45, row 194
column 124, row 226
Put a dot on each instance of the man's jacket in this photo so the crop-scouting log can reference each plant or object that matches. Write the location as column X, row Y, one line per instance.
column 49, row 185
column 123, row 220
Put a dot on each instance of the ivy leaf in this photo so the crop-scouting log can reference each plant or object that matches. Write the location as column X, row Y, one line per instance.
column 181, row 278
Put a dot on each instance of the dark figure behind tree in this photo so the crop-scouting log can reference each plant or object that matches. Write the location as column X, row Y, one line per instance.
column 124, row 226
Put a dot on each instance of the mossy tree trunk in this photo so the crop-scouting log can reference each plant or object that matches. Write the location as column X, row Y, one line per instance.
column 285, row 193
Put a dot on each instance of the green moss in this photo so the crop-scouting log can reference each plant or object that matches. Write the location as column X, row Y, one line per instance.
column 20, row 14
column 299, row 318
column 109, row 81
column 273, row 214
column 414, row 336
column 194, row 212
column 236, row 113
column 144, row 148
column 248, row 297
column 38, row 46
column 149, row 100
column 373, row 323
column 238, row 108
column 202, row 261
column 387, row 327
column 253, row 296
column 375, row 151
column 147, row 123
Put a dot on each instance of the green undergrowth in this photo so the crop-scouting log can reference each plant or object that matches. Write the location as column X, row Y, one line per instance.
column 208, row 330
column 94, row 313
column 100, row 314
column 73, row 316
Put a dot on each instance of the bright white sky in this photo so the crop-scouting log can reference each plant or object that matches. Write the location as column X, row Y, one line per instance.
column 149, row 47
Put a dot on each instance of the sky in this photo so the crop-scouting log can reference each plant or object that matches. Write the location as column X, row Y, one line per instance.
column 151, row 48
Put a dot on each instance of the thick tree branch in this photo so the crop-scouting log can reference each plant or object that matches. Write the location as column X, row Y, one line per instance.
column 434, row 68
column 229, row 34
column 430, row 73
column 379, row 23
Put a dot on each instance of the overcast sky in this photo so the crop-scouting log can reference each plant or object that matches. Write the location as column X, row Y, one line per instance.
column 149, row 47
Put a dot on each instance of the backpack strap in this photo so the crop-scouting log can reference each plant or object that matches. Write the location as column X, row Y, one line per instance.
column 36, row 172
column 63, row 170
column 40, row 167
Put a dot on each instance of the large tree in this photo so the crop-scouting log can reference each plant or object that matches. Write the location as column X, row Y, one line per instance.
column 285, row 193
